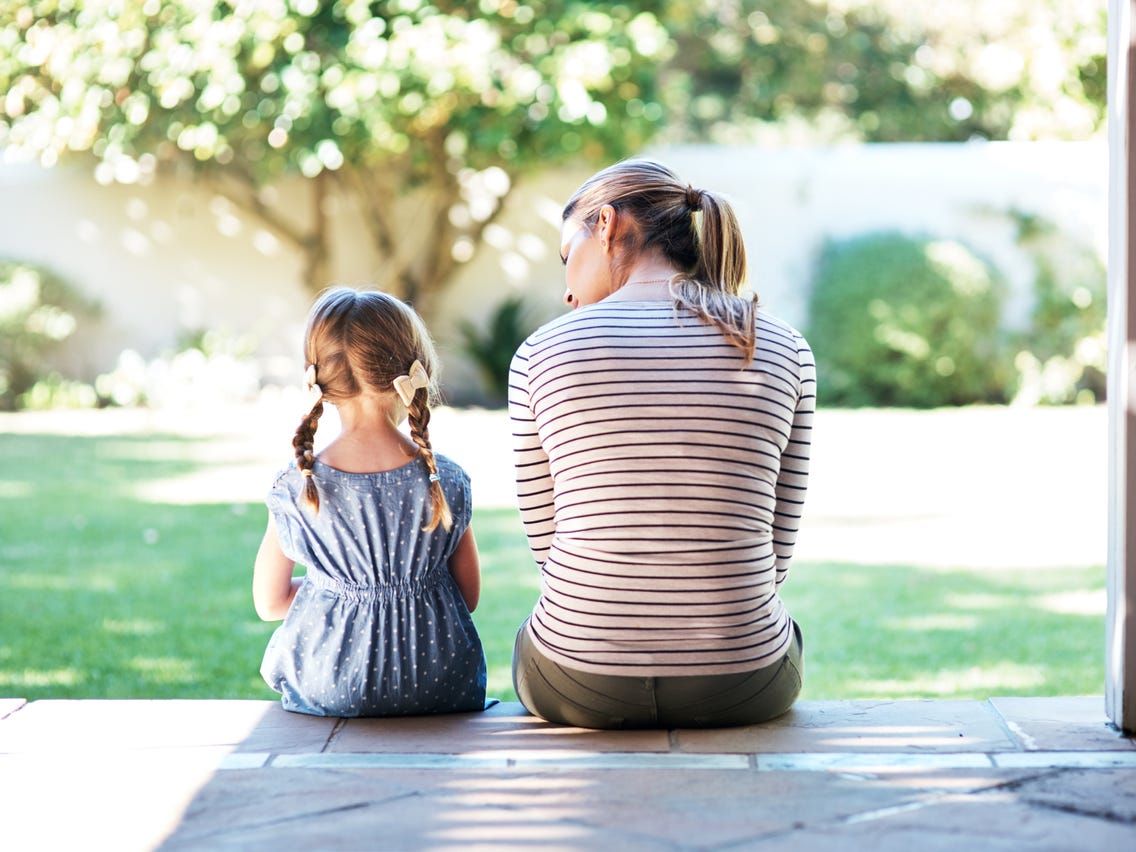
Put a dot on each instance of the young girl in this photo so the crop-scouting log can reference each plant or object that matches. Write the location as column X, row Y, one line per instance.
column 380, row 624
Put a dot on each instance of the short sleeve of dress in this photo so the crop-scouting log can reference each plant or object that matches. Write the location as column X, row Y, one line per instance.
column 459, row 494
column 284, row 507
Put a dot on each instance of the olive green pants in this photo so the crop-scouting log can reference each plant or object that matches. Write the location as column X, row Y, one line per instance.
column 586, row 700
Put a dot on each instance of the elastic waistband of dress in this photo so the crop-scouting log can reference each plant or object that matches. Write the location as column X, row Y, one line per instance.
column 384, row 591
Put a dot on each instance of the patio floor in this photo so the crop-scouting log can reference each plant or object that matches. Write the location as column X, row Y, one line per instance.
column 1008, row 773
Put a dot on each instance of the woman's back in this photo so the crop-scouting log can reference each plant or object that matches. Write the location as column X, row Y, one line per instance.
column 679, row 475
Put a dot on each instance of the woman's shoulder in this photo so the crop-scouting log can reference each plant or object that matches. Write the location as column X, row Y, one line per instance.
column 601, row 317
column 772, row 324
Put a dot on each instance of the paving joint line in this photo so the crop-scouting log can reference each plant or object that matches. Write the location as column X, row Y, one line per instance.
column 842, row 762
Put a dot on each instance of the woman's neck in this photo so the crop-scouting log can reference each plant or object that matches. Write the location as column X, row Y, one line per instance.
column 647, row 281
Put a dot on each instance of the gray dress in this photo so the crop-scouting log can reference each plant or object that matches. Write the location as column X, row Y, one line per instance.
column 378, row 627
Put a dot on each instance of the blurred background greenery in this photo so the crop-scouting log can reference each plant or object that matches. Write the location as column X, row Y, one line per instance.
column 452, row 104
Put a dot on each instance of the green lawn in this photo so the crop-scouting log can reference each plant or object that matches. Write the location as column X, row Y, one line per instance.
column 108, row 594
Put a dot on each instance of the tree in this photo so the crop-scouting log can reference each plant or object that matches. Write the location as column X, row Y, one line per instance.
column 440, row 106
column 442, row 102
column 885, row 70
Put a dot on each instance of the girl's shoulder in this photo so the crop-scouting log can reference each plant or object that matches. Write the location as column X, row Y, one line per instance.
column 285, row 475
column 450, row 469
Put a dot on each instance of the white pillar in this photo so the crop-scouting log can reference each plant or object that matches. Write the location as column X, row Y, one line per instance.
column 1120, row 652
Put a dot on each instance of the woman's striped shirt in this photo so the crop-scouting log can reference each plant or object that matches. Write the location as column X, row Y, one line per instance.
column 660, row 482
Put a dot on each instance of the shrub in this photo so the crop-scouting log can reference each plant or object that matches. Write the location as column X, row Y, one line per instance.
column 492, row 350
column 209, row 368
column 1062, row 354
column 904, row 321
column 38, row 310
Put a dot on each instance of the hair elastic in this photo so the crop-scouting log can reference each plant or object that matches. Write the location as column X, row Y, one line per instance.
column 307, row 472
column 435, row 477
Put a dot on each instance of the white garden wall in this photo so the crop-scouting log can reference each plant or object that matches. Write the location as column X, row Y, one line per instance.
column 170, row 257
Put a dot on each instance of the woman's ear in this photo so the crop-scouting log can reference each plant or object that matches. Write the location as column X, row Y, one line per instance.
column 605, row 227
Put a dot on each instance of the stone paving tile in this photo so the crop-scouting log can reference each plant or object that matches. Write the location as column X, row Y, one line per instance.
column 94, row 725
column 306, row 809
column 280, row 732
column 1109, row 794
column 1061, row 724
column 9, row 706
column 996, row 821
column 503, row 726
column 862, row 726
column 293, row 806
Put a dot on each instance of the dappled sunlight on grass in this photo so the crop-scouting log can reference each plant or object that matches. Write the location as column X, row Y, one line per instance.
column 903, row 632
column 57, row 583
column 133, row 627
column 21, row 682
column 1084, row 602
column 995, row 679
column 973, row 601
column 946, row 621
column 165, row 669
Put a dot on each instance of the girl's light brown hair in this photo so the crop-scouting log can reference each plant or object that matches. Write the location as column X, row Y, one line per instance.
column 362, row 340
column 695, row 230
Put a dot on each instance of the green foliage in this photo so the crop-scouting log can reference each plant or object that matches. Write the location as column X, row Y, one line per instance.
column 442, row 103
column 885, row 70
column 902, row 321
column 1062, row 354
column 492, row 349
column 54, row 391
column 208, row 368
column 314, row 86
column 38, row 310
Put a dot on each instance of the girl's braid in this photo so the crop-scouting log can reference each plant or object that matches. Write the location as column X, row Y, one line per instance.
column 304, row 445
column 418, row 415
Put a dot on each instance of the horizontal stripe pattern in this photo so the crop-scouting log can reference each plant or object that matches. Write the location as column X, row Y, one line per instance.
column 660, row 482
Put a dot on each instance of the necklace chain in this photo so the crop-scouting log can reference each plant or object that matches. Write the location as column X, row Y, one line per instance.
column 651, row 281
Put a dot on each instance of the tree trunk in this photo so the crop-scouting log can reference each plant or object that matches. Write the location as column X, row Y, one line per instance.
column 314, row 245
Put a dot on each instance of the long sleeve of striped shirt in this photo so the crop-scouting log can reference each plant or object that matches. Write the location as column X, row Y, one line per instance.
column 534, row 482
column 661, row 482
column 792, row 480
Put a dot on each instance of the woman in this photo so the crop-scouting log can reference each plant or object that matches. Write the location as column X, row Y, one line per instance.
column 662, row 436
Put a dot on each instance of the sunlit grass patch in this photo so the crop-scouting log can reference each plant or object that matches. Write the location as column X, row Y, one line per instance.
column 111, row 593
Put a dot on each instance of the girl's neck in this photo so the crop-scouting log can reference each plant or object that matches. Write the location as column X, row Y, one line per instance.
column 370, row 440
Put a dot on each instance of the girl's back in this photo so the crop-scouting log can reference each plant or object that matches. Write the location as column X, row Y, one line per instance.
column 378, row 628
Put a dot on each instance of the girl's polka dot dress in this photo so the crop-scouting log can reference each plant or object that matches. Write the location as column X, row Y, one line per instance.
column 378, row 627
